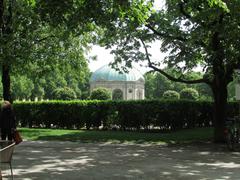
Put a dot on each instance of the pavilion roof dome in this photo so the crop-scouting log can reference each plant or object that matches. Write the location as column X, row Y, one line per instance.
column 106, row 73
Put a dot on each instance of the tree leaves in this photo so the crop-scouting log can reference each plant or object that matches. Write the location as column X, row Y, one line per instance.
column 219, row 3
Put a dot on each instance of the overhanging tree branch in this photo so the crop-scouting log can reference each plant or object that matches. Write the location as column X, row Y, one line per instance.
column 182, row 10
column 164, row 34
column 151, row 65
column 180, row 38
column 44, row 38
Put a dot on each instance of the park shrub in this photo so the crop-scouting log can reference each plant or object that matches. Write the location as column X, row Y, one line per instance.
column 65, row 93
column 100, row 94
column 189, row 94
column 171, row 95
column 127, row 115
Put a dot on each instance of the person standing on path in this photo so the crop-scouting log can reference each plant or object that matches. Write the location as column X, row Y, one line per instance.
column 7, row 121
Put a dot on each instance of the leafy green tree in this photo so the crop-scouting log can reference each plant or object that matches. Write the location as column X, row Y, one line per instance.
column 149, row 85
column 156, row 84
column 65, row 93
column 189, row 94
column 231, row 91
column 38, row 92
column 68, row 68
column 42, row 85
column 162, row 85
column 193, row 33
column 203, row 89
column 34, row 31
column 171, row 95
column 22, row 87
column 100, row 94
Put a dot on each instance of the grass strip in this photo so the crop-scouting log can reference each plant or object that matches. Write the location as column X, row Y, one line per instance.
column 181, row 136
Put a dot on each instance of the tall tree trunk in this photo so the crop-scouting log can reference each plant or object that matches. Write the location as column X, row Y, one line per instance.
column 6, row 82
column 219, row 108
column 6, row 30
column 1, row 14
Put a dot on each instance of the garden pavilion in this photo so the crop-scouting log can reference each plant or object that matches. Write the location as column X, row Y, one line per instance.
column 125, row 86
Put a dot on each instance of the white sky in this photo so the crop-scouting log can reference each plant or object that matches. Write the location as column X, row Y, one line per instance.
column 104, row 56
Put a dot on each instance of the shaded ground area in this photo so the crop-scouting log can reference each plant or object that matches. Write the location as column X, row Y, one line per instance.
column 75, row 160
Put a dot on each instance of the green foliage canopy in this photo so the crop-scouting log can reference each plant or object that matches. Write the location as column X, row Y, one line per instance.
column 100, row 94
column 156, row 84
column 171, row 95
column 189, row 94
column 193, row 33
column 64, row 94
column 49, row 32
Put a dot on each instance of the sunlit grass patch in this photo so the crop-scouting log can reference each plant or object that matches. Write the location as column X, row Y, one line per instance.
column 188, row 135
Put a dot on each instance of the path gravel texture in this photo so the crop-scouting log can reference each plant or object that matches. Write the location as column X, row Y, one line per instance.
column 50, row 160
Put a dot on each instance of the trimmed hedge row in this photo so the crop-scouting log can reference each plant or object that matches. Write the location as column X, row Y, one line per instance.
column 126, row 115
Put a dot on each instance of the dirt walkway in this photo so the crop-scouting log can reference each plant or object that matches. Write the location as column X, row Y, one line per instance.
column 87, row 161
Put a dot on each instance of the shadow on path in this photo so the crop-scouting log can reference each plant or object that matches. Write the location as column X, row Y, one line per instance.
column 75, row 160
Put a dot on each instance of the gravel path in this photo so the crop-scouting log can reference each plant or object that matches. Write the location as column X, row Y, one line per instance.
column 42, row 160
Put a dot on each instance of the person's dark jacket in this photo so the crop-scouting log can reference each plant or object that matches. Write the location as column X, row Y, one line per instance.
column 7, row 120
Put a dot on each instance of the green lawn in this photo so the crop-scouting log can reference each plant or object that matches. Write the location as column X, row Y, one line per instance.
column 189, row 135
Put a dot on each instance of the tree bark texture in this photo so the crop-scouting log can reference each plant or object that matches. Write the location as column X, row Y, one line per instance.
column 6, row 83
column 6, row 30
column 219, row 89
column 1, row 14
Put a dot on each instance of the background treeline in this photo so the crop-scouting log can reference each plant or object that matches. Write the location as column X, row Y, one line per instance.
column 58, row 83
column 156, row 85
column 123, row 115
column 70, row 81
column 59, row 73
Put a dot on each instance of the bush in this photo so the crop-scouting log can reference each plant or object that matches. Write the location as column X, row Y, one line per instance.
column 189, row 94
column 128, row 115
column 64, row 94
column 171, row 95
column 100, row 94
